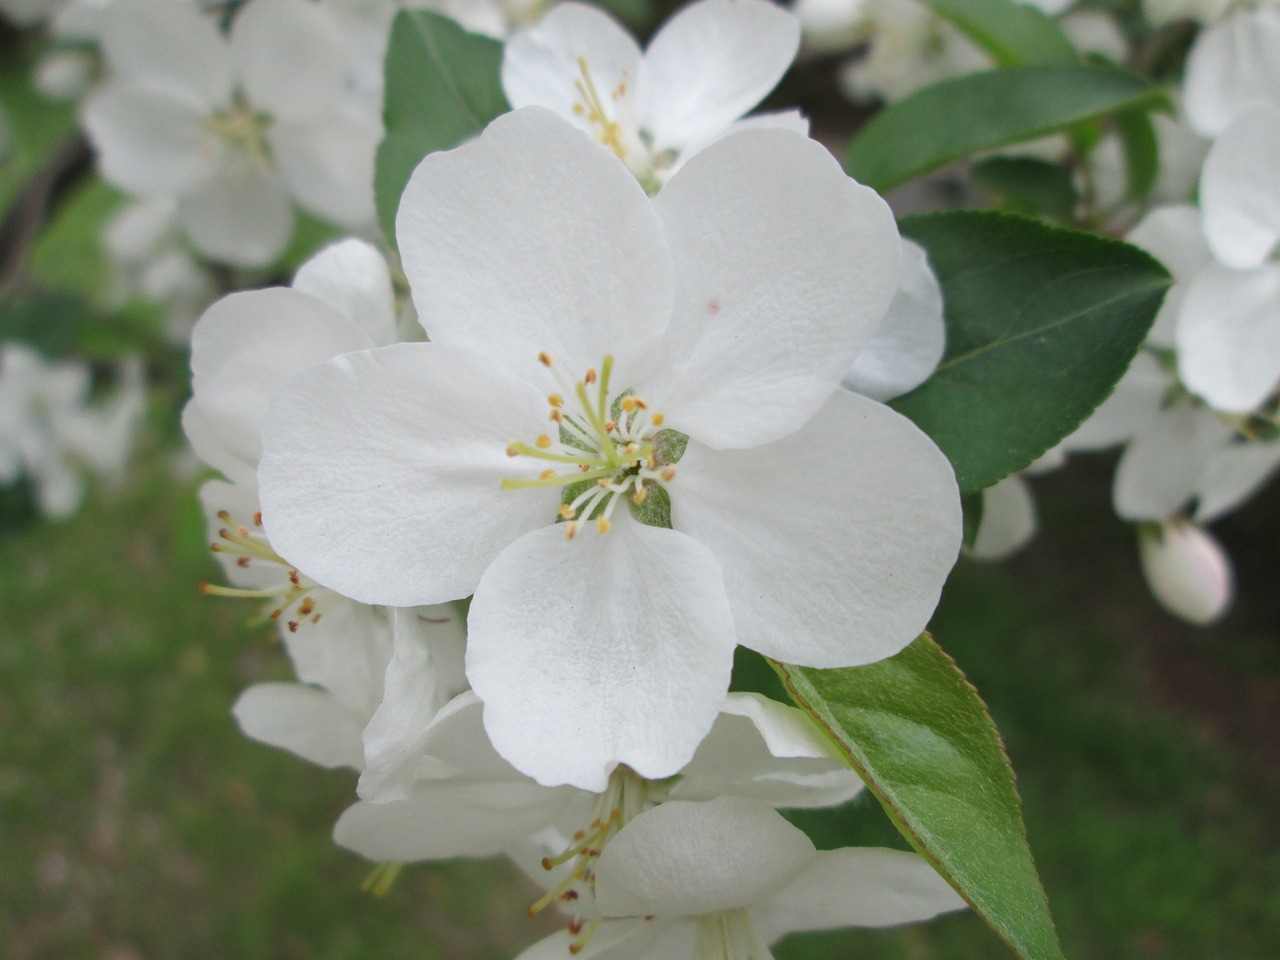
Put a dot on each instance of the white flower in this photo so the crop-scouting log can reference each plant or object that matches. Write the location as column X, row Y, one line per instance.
column 1228, row 332
column 1187, row 570
column 724, row 879
column 710, row 64
column 1233, row 65
column 494, row 18
column 438, row 790
column 235, row 127
column 809, row 524
column 1160, row 12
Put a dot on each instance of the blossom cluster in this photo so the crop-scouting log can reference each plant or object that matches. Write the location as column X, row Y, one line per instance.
column 610, row 413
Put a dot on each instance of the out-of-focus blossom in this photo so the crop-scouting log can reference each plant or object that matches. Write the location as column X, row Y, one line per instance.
column 1187, row 570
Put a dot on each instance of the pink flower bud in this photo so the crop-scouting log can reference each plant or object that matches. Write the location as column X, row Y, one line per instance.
column 1188, row 571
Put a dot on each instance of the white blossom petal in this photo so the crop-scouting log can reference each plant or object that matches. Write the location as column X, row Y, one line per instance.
column 1172, row 235
column 711, row 63
column 351, row 276
column 785, row 267
column 1008, row 520
column 1233, row 476
column 243, row 348
column 1233, row 64
column 683, row 859
column 1240, row 188
column 611, row 648
column 291, row 57
column 424, row 674
column 381, row 471
column 243, row 220
column 302, row 720
column 622, row 939
column 910, row 341
column 1132, row 407
column 1229, row 336
column 171, row 45
column 834, row 541
column 345, row 652
column 149, row 139
column 328, row 165
column 1161, row 467
column 532, row 238
column 857, row 887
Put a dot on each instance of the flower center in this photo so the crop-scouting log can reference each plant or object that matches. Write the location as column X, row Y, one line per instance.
column 294, row 594
column 608, row 448
column 242, row 131
column 615, row 127
column 624, row 798
column 729, row 935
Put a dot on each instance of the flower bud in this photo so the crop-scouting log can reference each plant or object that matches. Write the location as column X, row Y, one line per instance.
column 1188, row 571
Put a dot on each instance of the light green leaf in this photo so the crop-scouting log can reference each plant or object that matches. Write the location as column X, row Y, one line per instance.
column 1041, row 324
column 1141, row 151
column 442, row 87
column 1014, row 34
column 982, row 111
column 923, row 741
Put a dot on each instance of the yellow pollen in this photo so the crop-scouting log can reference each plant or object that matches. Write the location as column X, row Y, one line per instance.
column 556, row 400
column 657, row 419
column 610, row 427
column 543, row 442
column 629, row 404
column 591, row 376
column 555, row 415
column 605, row 482
column 668, row 473
column 546, row 359
column 570, row 530
column 603, row 525
column 640, row 496
column 567, row 511
column 547, row 474
column 513, row 450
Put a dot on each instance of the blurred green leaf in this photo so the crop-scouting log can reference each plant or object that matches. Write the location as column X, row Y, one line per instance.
column 1015, row 34
column 982, row 111
column 634, row 13
column 1141, row 151
column 442, row 87
column 974, row 505
column 1029, row 185
column 923, row 741
column 1041, row 324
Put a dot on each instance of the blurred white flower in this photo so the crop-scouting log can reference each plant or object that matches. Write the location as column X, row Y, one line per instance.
column 53, row 434
column 707, row 66
column 1233, row 64
column 728, row 877
column 1187, row 570
column 237, row 128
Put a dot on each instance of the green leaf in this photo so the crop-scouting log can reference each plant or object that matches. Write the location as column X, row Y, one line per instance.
column 973, row 505
column 1029, row 185
column 1141, row 151
column 923, row 741
column 1041, row 324
column 442, row 87
column 982, row 111
column 1014, row 34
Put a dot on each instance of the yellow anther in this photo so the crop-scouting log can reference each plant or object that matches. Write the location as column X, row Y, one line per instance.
column 556, row 416
column 513, row 450
column 567, row 511
column 546, row 359
column 603, row 524
column 547, row 474
column 640, row 496
column 629, row 404
column 610, row 426
column 556, row 400
column 570, row 530
column 668, row 473
column 631, row 449
column 640, row 402
column 657, row 419
column 591, row 376
column 543, row 442
column 579, row 110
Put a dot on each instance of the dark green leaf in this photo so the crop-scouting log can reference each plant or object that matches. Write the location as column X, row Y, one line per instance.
column 1041, row 324
column 923, row 741
column 442, row 87
column 634, row 13
column 982, row 111
column 1029, row 185
column 974, row 505
column 1014, row 34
